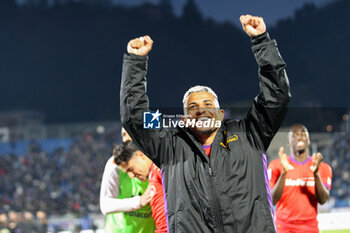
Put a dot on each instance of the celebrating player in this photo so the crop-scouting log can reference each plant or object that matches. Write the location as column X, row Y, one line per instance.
column 137, row 164
column 298, row 182
column 213, row 176
column 126, row 210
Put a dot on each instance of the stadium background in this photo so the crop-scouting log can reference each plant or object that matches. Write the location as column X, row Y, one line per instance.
column 59, row 78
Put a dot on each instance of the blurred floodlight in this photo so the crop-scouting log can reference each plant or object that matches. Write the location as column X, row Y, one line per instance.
column 329, row 128
column 100, row 129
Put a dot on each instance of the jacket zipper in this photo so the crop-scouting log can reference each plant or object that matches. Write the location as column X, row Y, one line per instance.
column 216, row 205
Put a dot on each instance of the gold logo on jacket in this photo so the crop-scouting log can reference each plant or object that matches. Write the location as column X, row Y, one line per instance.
column 229, row 139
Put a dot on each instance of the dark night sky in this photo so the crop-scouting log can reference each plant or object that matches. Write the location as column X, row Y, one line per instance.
column 52, row 38
column 222, row 10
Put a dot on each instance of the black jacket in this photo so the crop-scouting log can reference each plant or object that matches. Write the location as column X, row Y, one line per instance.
column 226, row 193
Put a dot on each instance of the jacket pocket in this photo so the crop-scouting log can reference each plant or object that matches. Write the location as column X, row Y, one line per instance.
column 171, row 221
column 174, row 220
column 253, row 217
column 230, row 223
column 262, row 217
column 243, row 214
column 179, row 218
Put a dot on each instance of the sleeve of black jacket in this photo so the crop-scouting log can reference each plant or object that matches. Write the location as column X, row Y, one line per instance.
column 270, row 106
column 133, row 102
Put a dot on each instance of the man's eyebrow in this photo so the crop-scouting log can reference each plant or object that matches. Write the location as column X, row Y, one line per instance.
column 206, row 100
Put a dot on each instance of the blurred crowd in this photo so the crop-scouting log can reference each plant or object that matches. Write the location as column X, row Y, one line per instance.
column 57, row 183
column 23, row 222
column 340, row 163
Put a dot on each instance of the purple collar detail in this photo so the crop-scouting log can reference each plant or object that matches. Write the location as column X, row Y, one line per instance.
column 307, row 160
column 207, row 146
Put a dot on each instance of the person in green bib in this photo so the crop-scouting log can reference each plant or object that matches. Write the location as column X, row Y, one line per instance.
column 125, row 201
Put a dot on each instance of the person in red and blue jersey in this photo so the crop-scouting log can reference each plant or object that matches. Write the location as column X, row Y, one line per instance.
column 298, row 183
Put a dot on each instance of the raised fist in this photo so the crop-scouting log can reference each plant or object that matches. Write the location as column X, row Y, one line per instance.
column 140, row 46
column 253, row 25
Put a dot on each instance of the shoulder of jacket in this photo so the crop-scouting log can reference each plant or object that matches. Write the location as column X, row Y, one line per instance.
column 230, row 124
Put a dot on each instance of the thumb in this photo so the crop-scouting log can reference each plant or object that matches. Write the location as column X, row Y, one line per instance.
column 313, row 156
column 281, row 152
column 242, row 19
column 250, row 30
column 131, row 49
column 148, row 42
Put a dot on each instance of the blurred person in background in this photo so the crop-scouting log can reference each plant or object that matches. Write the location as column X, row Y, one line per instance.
column 298, row 183
column 3, row 223
column 136, row 164
column 27, row 223
column 77, row 228
column 41, row 222
column 125, row 201
column 13, row 221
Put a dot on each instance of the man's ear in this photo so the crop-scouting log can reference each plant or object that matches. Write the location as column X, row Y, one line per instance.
column 123, row 166
column 141, row 155
column 221, row 114
column 138, row 153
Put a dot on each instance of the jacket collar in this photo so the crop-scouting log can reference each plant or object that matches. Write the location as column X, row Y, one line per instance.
column 216, row 142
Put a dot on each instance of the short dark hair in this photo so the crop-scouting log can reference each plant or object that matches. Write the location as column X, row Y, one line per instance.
column 123, row 152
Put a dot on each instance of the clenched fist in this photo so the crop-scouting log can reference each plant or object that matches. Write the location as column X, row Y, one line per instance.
column 140, row 46
column 253, row 25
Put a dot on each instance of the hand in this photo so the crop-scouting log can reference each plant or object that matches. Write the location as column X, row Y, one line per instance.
column 140, row 46
column 253, row 25
column 284, row 159
column 146, row 196
column 316, row 159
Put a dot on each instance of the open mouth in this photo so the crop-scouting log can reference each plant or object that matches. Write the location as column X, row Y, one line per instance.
column 204, row 118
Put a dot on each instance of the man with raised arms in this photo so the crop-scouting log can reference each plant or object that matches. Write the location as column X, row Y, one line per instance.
column 213, row 176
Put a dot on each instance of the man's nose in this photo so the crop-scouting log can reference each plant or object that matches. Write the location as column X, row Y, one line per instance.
column 201, row 110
